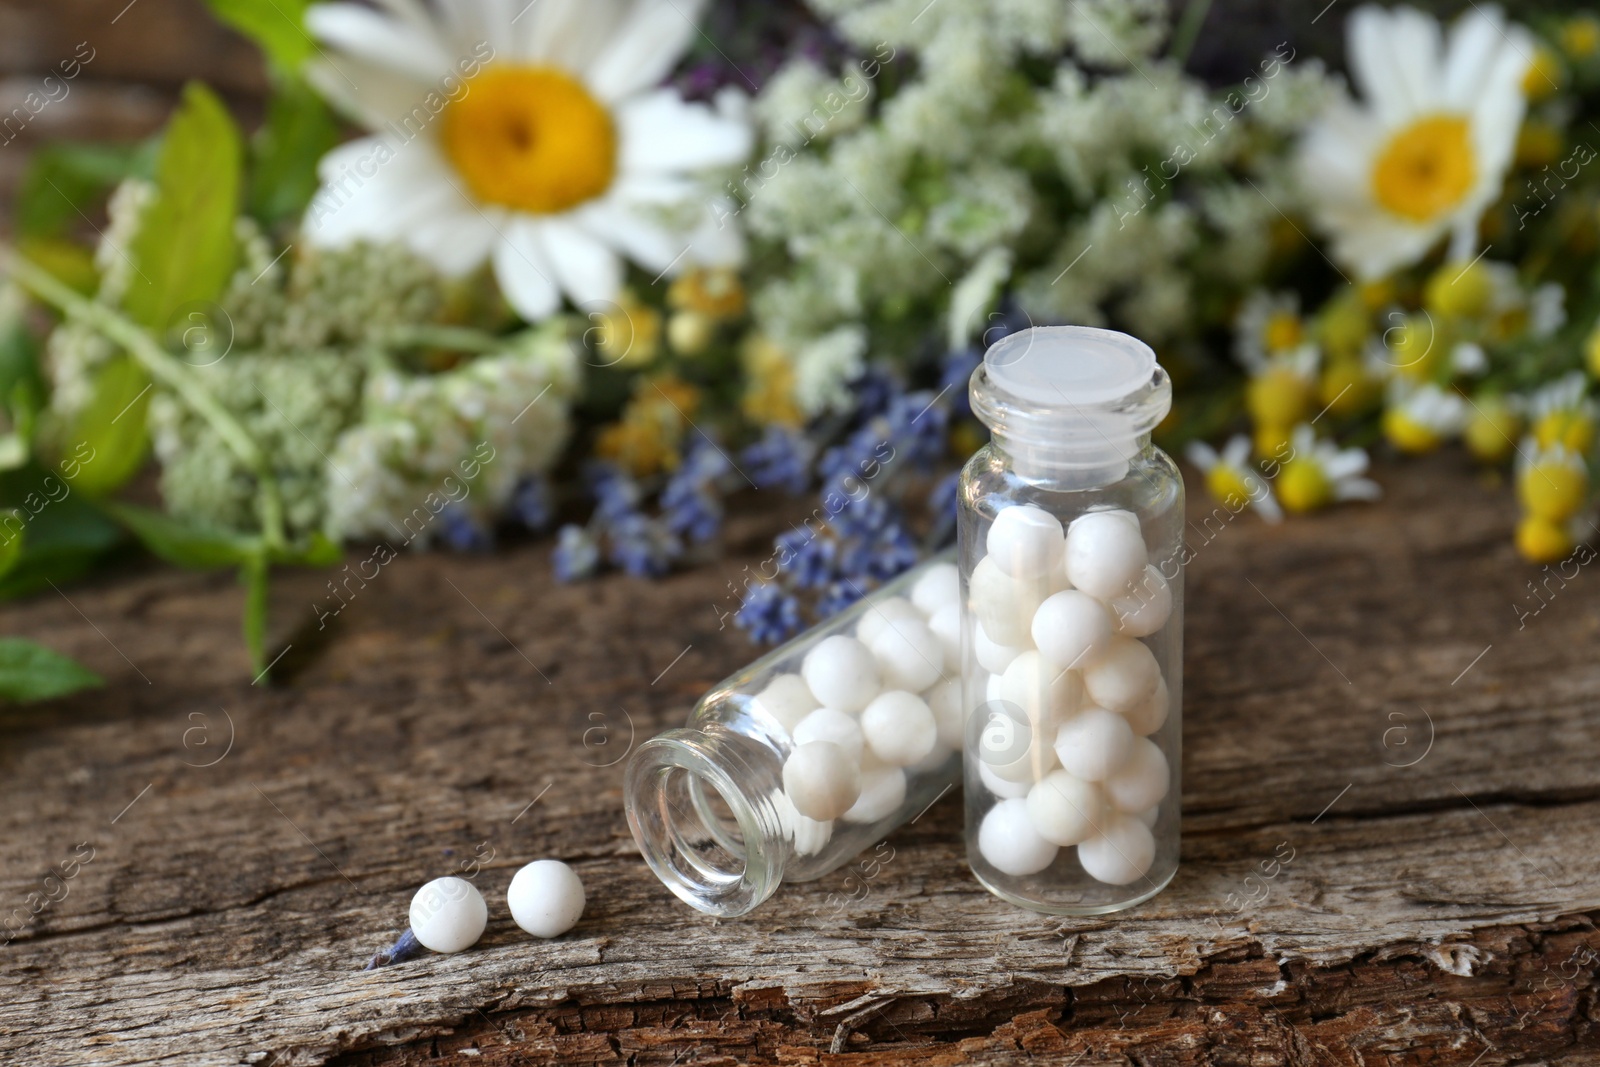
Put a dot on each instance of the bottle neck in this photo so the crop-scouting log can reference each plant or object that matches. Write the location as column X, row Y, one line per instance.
column 701, row 807
column 1081, row 466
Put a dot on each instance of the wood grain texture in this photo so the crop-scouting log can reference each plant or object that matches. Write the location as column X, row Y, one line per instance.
column 1359, row 690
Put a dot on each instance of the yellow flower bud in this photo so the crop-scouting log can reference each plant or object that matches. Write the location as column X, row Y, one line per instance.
column 1303, row 486
column 1541, row 541
column 1571, row 428
column 1277, row 396
column 1458, row 291
column 1553, row 491
column 1271, row 440
column 1408, row 435
column 690, row 332
column 1417, row 348
column 1491, row 429
column 1346, row 389
column 1227, row 485
column 1580, row 36
column 1544, row 74
column 1343, row 324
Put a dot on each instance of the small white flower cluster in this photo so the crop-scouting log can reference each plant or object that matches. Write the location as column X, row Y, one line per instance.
column 889, row 204
column 466, row 437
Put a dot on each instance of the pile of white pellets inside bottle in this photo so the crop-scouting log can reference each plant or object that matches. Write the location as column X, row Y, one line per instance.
column 868, row 712
column 1072, row 695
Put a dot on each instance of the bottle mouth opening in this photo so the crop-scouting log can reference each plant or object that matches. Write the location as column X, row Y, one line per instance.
column 698, row 830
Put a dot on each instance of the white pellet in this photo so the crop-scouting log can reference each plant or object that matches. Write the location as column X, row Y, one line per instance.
column 448, row 914
column 880, row 614
column 944, row 700
column 1105, row 551
column 1070, row 628
column 1065, row 810
column 1120, row 853
column 883, row 789
column 841, row 673
column 1005, row 605
column 1146, row 607
column 939, row 587
column 1094, row 743
column 808, row 835
column 1007, row 839
column 1141, row 781
column 1025, row 541
column 787, row 700
column 1046, row 693
column 821, row 780
column 1147, row 716
column 991, row 655
column 899, row 727
column 999, row 786
column 946, row 626
column 909, row 655
column 1122, row 676
column 546, row 898
column 832, row 725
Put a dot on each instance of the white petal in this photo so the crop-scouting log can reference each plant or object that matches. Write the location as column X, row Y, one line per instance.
column 372, row 192
column 1475, row 40
column 717, row 242
column 457, row 238
column 642, row 240
column 1394, row 58
column 646, row 48
column 365, row 34
column 1201, row 455
column 367, row 93
column 525, row 276
column 660, row 132
column 586, row 269
column 567, row 33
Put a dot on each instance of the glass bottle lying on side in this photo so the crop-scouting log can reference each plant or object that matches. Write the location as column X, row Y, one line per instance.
column 791, row 767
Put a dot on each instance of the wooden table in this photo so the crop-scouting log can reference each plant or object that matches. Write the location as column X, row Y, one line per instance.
column 1362, row 692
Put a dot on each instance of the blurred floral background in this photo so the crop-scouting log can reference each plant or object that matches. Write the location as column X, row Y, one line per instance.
column 440, row 274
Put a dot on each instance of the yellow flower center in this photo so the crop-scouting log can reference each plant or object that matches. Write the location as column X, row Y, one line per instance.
column 1426, row 169
column 1282, row 331
column 1303, row 486
column 1553, row 491
column 1490, row 430
column 1278, row 396
column 530, row 138
column 1542, row 541
column 1572, row 428
column 1407, row 434
column 1228, row 485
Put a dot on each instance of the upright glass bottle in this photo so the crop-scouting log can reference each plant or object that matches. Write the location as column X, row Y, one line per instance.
column 791, row 767
column 1071, row 556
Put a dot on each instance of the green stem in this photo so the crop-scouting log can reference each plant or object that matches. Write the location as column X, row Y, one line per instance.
column 1188, row 29
column 458, row 338
column 165, row 368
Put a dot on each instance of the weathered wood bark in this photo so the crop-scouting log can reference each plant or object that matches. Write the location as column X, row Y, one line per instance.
column 1360, row 690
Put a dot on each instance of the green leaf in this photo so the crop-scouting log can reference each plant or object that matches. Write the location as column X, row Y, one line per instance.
column 64, row 537
column 33, row 672
column 187, row 544
column 112, row 426
column 276, row 26
column 11, row 540
column 64, row 180
column 318, row 552
column 284, row 153
column 184, row 247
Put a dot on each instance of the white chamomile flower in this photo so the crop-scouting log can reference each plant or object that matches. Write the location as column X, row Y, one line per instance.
column 1268, row 324
column 1428, row 149
column 1230, row 477
column 1561, row 413
column 1419, row 418
column 1319, row 472
column 540, row 139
